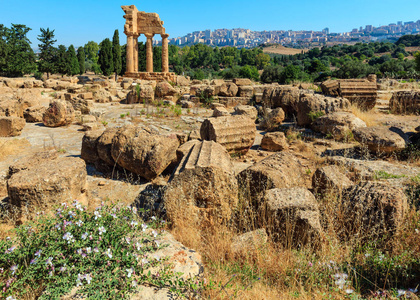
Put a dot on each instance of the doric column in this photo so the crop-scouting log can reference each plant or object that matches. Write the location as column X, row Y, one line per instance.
column 136, row 53
column 149, row 52
column 165, row 55
column 130, row 50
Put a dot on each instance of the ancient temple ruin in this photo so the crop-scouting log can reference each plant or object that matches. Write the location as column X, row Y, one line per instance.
column 149, row 24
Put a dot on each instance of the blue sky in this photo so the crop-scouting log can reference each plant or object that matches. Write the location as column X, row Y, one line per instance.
column 77, row 22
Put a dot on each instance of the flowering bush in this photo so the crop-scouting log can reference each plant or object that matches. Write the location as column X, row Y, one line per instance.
column 105, row 254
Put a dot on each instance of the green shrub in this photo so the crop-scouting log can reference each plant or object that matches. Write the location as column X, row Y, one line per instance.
column 104, row 253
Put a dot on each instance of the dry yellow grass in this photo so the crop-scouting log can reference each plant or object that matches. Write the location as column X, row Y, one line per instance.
column 370, row 117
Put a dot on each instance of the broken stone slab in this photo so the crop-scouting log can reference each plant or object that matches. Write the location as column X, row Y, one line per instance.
column 228, row 89
column 34, row 114
column 338, row 124
column 272, row 119
column 381, row 138
column 11, row 126
column 220, row 112
column 246, row 110
column 293, row 216
column 242, row 81
column 142, row 152
column 274, row 141
column 203, row 187
column 311, row 105
column 373, row 211
column 235, row 133
column 249, row 241
column 330, row 180
column 279, row 170
column 45, row 183
column 376, row 169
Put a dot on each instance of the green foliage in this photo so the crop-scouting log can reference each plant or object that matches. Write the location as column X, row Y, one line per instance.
column 116, row 52
column 409, row 40
column 17, row 56
column 105, row 57
column 72, row 67
column 249, row 72
column 61, row 61
column 385, row 175
column 47, row 57
column 81, row 57
column 106, row 253
column 91, row 51
column 313, row 115
column 417, row 57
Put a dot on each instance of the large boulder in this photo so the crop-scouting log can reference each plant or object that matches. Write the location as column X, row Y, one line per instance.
column 274, row 141
column 235, row 133
column 220, row 111
column 143, row 152
column 405, row 102
column 293, row 216
column 164, row 89
column 311, row 106
column 242, row 81
column 381, row 138
column 246, row 110
column 330, row 180
column 10, row 107
column 11, row 126
column 279, row 170
column 45, row 183
column 203, row 186
column 89, row 152
column 285, row 97
column 272, row 118
column 102, row 96
column 373, row 210
column 182, row 81
column 104, row 148
column 59, row 113
column 34, row 114
column 338, row 124
column 228, row 89
column 246, row 91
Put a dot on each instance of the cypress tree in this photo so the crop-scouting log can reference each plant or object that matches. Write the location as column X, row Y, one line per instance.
column 81, row 58
column 61, row 60
column 116, row 53
column 47, row 56
column 4, row 48
column 72, row 62
column 105, row 57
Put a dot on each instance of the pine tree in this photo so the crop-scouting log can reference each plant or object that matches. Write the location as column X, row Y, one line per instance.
column 21, row 58
column 116, row 54
column 47, row 56
column 72, row 62
column 81, row 58
column 105, row 57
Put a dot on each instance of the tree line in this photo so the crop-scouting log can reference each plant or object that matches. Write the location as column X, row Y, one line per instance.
column 385, row 59
column 18, row 58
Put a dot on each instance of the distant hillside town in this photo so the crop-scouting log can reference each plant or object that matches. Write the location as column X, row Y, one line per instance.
column 245, row 38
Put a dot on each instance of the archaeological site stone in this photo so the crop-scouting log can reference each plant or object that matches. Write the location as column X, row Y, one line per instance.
column 59, row 113
column 235, row 133
column 11, row 126
column 143, row 152
column 203, row 186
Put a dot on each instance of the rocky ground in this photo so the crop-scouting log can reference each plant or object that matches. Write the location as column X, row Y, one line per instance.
column 140, row 143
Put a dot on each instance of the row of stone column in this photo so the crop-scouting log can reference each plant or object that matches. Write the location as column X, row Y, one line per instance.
column 133, row 53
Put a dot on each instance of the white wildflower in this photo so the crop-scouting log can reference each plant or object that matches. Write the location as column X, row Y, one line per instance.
column 109, row 253
column 101, row 230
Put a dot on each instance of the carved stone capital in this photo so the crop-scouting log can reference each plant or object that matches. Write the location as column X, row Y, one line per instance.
column 164, row 35
column 149, row 35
